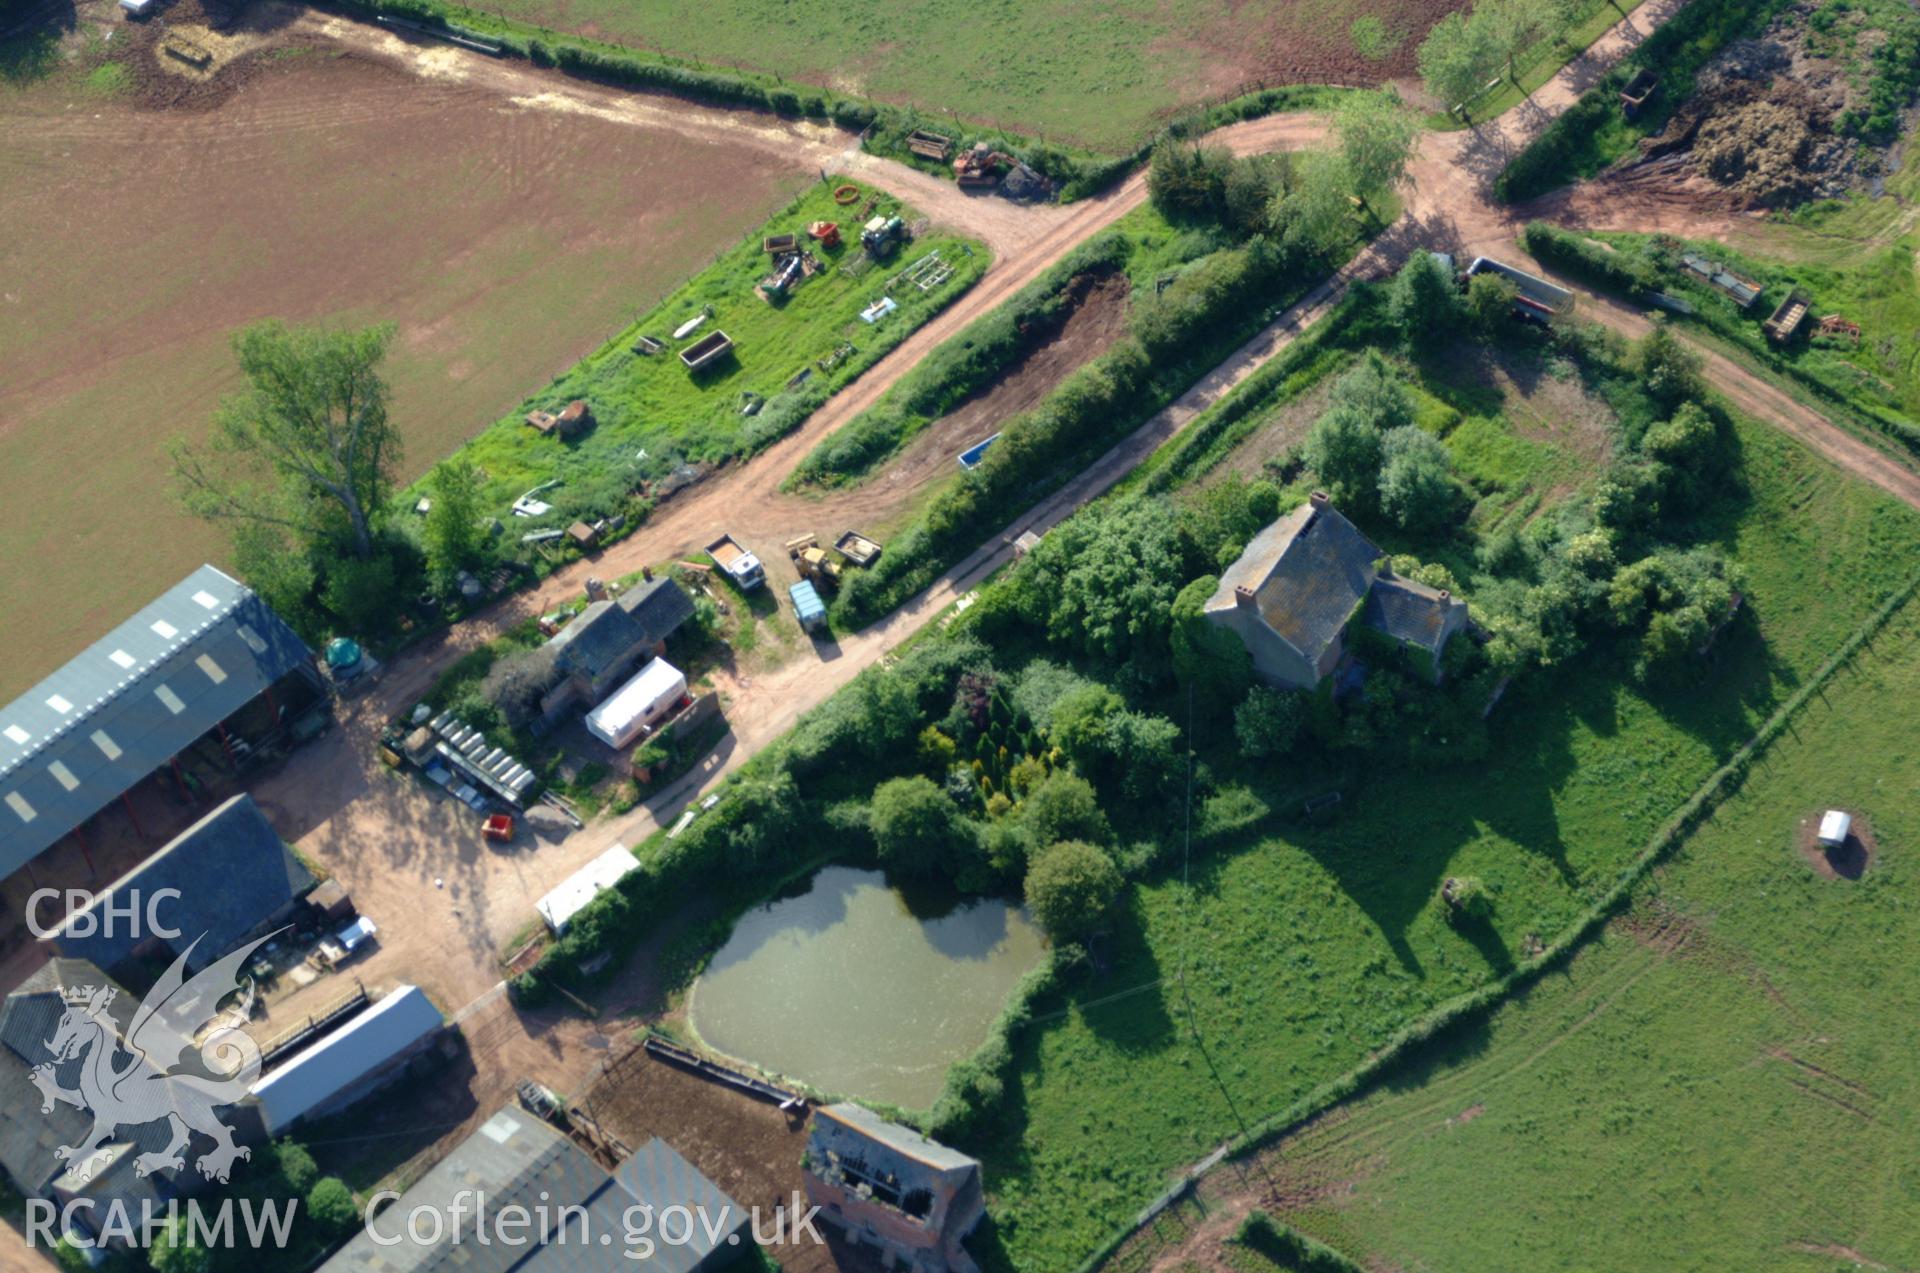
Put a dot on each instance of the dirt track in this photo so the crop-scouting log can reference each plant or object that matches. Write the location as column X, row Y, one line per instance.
column 392, row 841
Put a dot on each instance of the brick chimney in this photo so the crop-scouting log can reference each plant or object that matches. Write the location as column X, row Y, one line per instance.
column 646, row 573
column 1243, row 596
column 1318, row 499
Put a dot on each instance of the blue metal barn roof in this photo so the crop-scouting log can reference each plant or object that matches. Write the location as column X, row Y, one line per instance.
column 131, row 702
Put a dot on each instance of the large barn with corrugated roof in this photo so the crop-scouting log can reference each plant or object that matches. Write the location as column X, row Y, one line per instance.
column 174, row 677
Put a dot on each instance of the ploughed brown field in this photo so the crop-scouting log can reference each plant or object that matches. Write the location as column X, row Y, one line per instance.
column 142, row 227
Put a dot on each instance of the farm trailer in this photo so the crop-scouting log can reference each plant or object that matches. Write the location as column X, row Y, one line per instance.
column 857, row 548
column 1537, row 300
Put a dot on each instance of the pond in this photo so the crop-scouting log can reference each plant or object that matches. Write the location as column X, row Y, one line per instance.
column 854, row 988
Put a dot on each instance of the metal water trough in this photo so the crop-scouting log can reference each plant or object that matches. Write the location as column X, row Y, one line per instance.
column 706, row 351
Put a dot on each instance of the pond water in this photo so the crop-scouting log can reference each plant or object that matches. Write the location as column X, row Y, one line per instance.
column 854, row 988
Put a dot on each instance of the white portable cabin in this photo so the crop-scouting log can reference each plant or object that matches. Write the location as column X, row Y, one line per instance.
column 639, row 703
column 1835, row 827
column 571, row 897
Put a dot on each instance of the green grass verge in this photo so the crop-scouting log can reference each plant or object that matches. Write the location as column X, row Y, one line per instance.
column 1716, row 1081
column 653, row 404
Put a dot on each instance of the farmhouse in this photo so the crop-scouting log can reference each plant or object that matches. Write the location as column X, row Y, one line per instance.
column 1303, row 580
column 233, row 878
column 366, row 1054
column 890, row 1186
column 610, row 638
column 28, row 1137
column 207, row 669
column 516, row 1160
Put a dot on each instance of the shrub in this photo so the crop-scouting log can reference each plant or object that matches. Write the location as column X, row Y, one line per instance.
column 1070, row 886
column 1344, row 449
column 331, row 1205
column 1210, row 660
column 916, row 829
column 1467, row 899
column 1424, row 302
column 1064, row 807
column 1270, row 721
column 1417, row 490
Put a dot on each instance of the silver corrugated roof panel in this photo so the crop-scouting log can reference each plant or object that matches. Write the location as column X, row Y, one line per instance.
column 130, row 702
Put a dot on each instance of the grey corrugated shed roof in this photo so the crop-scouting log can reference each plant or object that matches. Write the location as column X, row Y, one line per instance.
column 131, row 702
column 232, row 871
column 315, row 1075
column 1410, row 612
column 602, row 636
column 1308, row 571
column 660, row 605
column 512, row 1160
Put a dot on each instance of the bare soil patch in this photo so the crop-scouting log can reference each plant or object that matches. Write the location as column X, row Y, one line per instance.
column 1273, row 440
column 309, row 183
column 1848, row 861
column 746, row 1146
column 1097, row 319
column 1313, row 44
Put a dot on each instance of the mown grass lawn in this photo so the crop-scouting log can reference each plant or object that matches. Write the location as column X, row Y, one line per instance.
column 1295, row 950
column 652, row 414
column 1724, row 1080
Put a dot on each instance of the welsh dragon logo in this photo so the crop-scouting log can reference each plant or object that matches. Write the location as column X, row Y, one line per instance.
column 141, row 1075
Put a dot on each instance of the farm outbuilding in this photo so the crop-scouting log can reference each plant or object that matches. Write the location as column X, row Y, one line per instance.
column 232, row 876
column 350, row 1064
column 572, row 894
column 515, row 1158
column 638, row 705
column 889, row 1186
column 1835, row 827
column 182, row 670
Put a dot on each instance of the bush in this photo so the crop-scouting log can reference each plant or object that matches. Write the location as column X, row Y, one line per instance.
column 917, row 831
column 1064, row 807
column 1424, row 302
column 1209, row 659
column 1343, row 449
column 1467, row 899
column 1630, row 276
column 331, row 1205
column 1070, row 886
column 1417, row 491
column 295, row 1165
column 1270, row 721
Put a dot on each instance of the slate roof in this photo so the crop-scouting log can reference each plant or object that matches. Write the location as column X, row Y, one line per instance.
column 1309, row 572
column 130, row 702
column 660, row 605
column 514, row 1159
column 1410, row 612
column 28, row 1137
column 232, row 872
column 315, row 1075
column 597, row 640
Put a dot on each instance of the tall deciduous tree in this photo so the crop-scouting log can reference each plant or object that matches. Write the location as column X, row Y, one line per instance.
column 1456, row 59
column 307, row 447
column 1376, row 134
column 452, row 535
column 1313, row 214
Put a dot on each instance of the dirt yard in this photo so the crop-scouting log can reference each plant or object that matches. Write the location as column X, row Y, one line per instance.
column 746, row 1146
column 311, row 183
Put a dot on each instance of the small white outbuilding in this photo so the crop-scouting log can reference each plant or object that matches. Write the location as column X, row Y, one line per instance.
column 644, row 700
column 1835, row 827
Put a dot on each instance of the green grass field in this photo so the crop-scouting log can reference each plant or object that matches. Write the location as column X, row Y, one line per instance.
column 1305, row 948
column 651, row 413
column 1722, row 1081
column 1103, row 76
